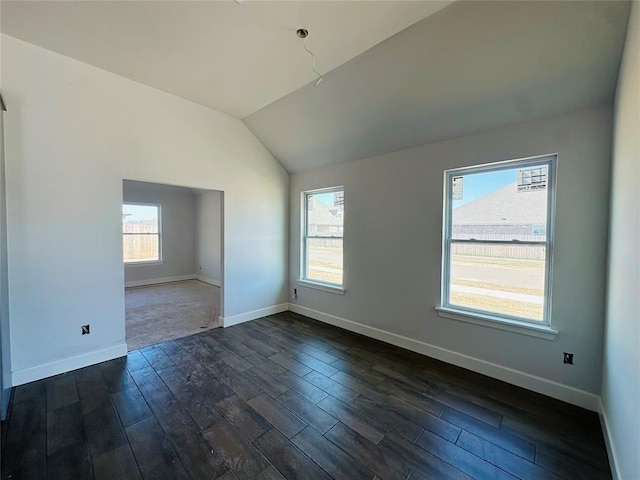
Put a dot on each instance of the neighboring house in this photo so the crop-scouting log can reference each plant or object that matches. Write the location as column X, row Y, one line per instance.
column 326, row 220
column 504, row 214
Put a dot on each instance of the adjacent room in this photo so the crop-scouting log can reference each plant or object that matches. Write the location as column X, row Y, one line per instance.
column 172, row 251
column 309, row 239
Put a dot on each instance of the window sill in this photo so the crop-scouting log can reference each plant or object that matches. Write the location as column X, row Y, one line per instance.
column 523, row 328
column 325, row 287
column 137, row 264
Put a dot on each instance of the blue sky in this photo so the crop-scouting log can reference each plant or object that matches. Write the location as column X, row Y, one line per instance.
column 326, row 198
column 475, row 186
column 479, row 184
column 138, row 212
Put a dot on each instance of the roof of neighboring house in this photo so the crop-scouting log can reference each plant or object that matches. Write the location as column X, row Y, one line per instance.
column 504, row 206
column 324, row 214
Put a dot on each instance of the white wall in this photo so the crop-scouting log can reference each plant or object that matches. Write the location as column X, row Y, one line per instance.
column 5, row 347
column 209, row 235
column 74, row 132
column 392, row 251
column 621, row 370
column 178, row 224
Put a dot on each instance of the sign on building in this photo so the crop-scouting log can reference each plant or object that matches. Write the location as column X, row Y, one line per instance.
column 532, row 179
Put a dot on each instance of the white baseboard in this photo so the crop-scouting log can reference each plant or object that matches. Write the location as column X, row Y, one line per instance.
column 155, row 281
column 608, row 442
column 209, row 280
column 252, row 315
column 56, row 367
column 550, row 388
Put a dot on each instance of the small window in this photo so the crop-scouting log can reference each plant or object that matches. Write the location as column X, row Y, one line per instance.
column 323, row 225
column 497, row 240
column 141, row 233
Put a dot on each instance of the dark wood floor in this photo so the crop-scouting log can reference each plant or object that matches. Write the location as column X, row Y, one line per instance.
column 285, row 396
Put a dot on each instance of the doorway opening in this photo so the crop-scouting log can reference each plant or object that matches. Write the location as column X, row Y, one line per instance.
column 172, row 260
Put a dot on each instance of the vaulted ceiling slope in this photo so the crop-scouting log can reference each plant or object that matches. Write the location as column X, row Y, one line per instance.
column 471, row 66
column 235, row 57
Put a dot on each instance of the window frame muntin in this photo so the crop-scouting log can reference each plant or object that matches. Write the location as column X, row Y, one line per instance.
column 159, row 234
column 551, row 161
column 304, row 278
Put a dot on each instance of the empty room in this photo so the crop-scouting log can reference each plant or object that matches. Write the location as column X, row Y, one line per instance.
column 172, row 255
column 320, row 239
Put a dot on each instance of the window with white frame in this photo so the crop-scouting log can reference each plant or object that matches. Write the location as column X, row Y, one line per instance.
column 498, row 240
column 322, row 231
column 141, row 237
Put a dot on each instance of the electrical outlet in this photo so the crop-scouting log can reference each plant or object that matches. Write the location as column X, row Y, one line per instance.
column 85, row 330
column 295, row 293
column 568, row 358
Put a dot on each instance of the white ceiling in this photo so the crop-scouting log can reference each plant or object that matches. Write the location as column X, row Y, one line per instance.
column 235, row 57
column 471, row 66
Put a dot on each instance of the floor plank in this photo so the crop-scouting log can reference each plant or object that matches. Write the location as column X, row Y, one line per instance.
column 329, row 457
column 430, row 422
column 331, row 387
column 153, row 451
column 25, row 447
column 131, row 406
column 387, row 420
column 249, row 422
column 166, row 408
column 104, row 430
column 303, row 387
column 118, row 463
column 352, row 418
column 505, row 440
column 385, row 466
column 462, row 459
column 421, row 461
column 65, row 427
column 505, row 459
column 241, row 456
column 289, row 397
column 308, row 412
column 92, row 389
column 198, row 459
column 278, row 416
column 289, row 461
column 69, row 463
column 117, row 376
column 62, row 392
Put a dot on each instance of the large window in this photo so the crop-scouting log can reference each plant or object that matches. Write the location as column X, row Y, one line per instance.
column 498, row 240
column 322, row 236
column 141, row 233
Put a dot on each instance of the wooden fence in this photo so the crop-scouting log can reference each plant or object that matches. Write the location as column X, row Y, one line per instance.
column 516, row 252
column 140, row 241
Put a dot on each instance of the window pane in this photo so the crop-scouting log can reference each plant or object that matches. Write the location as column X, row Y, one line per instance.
column 325, row 214
column 140, row 248
column 140, row 219
column 324, row 260
column 505, row 279
column 507, row 204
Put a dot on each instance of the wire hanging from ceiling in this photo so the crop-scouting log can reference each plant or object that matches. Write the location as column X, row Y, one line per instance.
column 303, row 33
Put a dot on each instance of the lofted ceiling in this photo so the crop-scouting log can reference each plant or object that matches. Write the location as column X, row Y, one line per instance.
column 397, row 74
column 232, row 56
column 471, row 66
